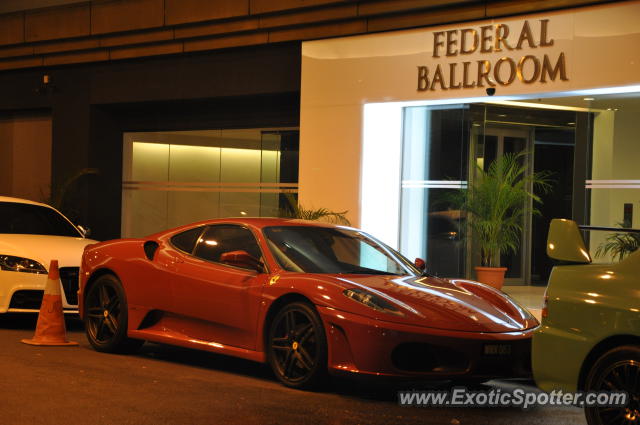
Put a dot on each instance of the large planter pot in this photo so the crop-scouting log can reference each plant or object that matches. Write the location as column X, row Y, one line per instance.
column 493, row 276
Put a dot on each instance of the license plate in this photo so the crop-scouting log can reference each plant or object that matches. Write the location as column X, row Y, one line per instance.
column 497, row 350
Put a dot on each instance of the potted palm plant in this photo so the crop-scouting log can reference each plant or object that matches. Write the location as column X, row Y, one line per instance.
column 495, row 203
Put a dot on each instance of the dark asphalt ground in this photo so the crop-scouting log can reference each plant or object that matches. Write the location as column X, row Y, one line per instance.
column 168, row 385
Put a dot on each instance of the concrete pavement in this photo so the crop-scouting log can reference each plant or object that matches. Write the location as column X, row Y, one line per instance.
column 168, row 385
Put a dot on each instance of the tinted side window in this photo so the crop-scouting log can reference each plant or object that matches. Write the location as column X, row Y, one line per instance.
column 226, row 238
column 185, row 241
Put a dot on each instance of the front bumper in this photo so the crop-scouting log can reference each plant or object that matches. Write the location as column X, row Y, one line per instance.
column 22, row 292
column 362, row 346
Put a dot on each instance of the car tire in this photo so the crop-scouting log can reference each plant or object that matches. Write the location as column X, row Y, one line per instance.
column 105, row 317
column 296, row 346
column 605, row 376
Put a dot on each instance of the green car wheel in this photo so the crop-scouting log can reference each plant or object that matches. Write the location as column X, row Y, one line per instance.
column 616, row 370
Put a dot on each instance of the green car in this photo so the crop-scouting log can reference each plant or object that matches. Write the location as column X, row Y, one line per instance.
column 589, row 339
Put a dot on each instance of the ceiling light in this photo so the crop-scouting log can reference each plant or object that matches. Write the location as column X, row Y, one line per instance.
column 589, row 98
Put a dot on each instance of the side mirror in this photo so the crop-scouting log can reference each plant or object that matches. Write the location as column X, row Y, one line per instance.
column 86, row 232
column 241, row 259
column 565, row 242
column 420, row 264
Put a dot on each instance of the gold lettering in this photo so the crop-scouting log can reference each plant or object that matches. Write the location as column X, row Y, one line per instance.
column 512, row 71
column 438, row 79
column 423, row 78
column 463, row 41
column 484, row 68
column 486, row 37
column 536, row 69
column 465, row 76
column 452, row 76
column 560, row 68
column 543, row 34
column 526, row 35
column 502, row 32
column 437, row 43
column 452, row 43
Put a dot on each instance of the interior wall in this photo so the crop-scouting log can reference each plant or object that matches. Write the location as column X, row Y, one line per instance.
column 25, row 157
column 6, row 156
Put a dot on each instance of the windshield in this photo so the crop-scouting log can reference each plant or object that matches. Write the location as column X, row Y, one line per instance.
column 312, row 249
column 28, row 219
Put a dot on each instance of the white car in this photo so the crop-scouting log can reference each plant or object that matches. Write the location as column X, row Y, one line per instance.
column 31, row 235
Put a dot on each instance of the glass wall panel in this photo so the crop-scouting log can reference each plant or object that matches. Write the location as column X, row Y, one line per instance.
column 150, row 167
column 175, row 178
column 615, row 176
column 270, row 174
column 240, row 166
column 434, row 164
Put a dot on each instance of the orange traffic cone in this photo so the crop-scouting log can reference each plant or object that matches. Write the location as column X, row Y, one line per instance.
column 50, row 329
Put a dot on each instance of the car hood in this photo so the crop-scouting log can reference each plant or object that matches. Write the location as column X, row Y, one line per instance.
column 448, row 304
column 43, row 248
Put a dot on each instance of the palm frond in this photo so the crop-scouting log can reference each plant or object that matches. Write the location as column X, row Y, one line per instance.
column 295, row 210
column 619, row 245
column 496, row 202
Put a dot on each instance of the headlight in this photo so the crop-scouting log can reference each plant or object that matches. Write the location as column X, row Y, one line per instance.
column 372, row 300
column 19, row 264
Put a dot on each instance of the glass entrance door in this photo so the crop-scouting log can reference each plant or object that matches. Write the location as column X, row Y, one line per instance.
column 489, row 144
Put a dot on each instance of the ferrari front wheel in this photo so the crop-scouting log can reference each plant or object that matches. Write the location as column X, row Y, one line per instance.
column 106, row 317
column 297, row 346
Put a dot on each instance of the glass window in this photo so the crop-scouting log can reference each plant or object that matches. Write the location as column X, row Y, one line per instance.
column 330, row 250
column 434, row 168
column 34, row 220
column 179, row 177
column 185, row 241
column 220, row 239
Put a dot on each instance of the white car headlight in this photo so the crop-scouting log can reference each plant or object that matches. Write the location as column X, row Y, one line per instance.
column 20, row 264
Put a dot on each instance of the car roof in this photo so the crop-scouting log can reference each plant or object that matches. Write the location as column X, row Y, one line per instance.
column 21, row 201
column 256, row 222
column 268, row 221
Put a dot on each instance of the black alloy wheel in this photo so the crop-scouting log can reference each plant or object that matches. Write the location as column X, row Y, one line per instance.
column 297, row 346
column 105, row 318
column 616, row 370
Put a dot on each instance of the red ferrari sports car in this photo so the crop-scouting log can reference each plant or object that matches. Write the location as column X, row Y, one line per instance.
column 306, row 297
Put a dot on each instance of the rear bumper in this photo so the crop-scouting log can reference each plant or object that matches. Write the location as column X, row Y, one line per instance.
column 363, row 346
column 557, row 358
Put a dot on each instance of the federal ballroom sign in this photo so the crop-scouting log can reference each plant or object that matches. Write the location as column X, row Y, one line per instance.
column 524, row 57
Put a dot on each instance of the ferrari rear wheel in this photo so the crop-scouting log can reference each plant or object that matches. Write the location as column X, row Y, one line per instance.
column 105, row 318
column 297, row 346
column 616, row 370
